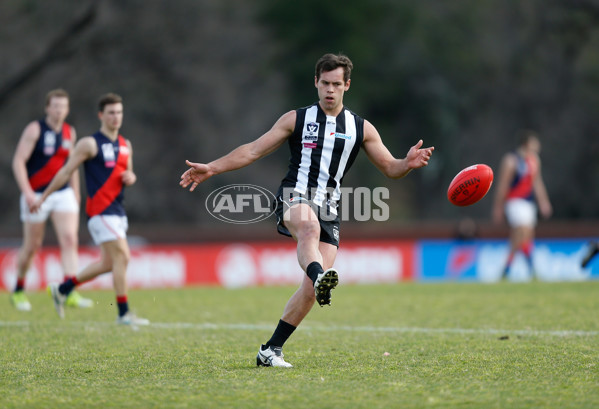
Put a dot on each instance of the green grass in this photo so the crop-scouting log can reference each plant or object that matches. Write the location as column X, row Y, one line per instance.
column 443, row 342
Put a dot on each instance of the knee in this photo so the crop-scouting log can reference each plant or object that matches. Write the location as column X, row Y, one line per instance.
column 70, row 241
column 105, row 266
column 123, row 256
column 36, row 246
column 309, row 230
column 30, row 248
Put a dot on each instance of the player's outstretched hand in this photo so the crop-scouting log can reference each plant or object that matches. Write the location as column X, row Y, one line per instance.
column 196, row 174
column 418, row 157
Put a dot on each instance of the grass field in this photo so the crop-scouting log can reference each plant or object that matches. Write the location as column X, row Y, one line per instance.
column 449, row 345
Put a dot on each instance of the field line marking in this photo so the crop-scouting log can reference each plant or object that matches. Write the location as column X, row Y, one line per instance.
column 347, row 328
column 14, row 323
column 330, row 328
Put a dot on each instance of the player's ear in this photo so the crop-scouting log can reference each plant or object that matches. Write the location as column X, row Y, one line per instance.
column 347, row 84
column 315, row 81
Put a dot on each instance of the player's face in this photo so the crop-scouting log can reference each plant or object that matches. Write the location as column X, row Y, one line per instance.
column 112, row 116
column 57, row 109
column 331, row 87
column 534, row 146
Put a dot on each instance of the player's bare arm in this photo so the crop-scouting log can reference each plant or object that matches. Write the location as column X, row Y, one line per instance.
column 506, row 174
column 391, row 167
column 25, row 147
column 74, row 182
column 129, row 177
column 541, row 195
column 84, row 149
column 242, row 156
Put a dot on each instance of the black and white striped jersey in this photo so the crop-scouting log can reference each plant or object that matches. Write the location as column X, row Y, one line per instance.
column 323, row 148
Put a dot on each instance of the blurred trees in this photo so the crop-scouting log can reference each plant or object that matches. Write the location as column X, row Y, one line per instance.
column 465, row 76
column 201, row 77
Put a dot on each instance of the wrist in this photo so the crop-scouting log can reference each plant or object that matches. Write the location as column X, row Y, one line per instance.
column 213, row 169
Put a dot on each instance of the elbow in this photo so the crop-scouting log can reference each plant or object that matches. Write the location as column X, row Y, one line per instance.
column 254, row 153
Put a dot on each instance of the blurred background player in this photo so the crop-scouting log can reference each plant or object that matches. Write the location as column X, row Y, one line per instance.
column 43, row 149
column 519, row 190
column 107, row 159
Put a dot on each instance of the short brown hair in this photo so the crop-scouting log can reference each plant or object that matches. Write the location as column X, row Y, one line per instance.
column 56, row 93
column 526, row 135
column 109, row 99
column 330, row 62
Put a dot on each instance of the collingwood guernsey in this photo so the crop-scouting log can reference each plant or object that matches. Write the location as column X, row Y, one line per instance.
column 323, row 148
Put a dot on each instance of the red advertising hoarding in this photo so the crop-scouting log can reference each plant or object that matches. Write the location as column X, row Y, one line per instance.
column 223, row 264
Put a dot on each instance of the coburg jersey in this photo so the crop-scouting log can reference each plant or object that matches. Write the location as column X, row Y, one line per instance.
column 103, row 176
column 50, row 153
column 522, row 184
column 323, row 148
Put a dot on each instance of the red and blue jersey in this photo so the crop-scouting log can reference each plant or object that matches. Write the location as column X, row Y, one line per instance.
column 50, row 153
column 522, row 184
column 103, row 176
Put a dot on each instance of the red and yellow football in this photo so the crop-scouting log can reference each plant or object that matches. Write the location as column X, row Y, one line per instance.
column 470, row 185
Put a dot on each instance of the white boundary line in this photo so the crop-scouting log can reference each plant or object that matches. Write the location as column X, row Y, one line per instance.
column 331, row 328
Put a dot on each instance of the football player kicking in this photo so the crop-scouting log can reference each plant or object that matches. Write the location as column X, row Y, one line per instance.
column 324, row 139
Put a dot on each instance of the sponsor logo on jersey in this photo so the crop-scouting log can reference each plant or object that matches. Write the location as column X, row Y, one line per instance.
column 310, row 135
column 311, row 129
column 49, row 143
column 341, row 135
column 109, row 155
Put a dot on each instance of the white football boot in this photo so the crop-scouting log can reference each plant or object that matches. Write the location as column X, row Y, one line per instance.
column 20, row 301
column 271, row 356
column 131, row 319
column 58, row 298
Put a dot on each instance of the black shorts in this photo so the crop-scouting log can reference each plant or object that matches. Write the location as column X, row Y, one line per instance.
column 329, row 226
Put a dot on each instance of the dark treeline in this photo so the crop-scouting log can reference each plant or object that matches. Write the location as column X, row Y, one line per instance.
column 200, row 77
